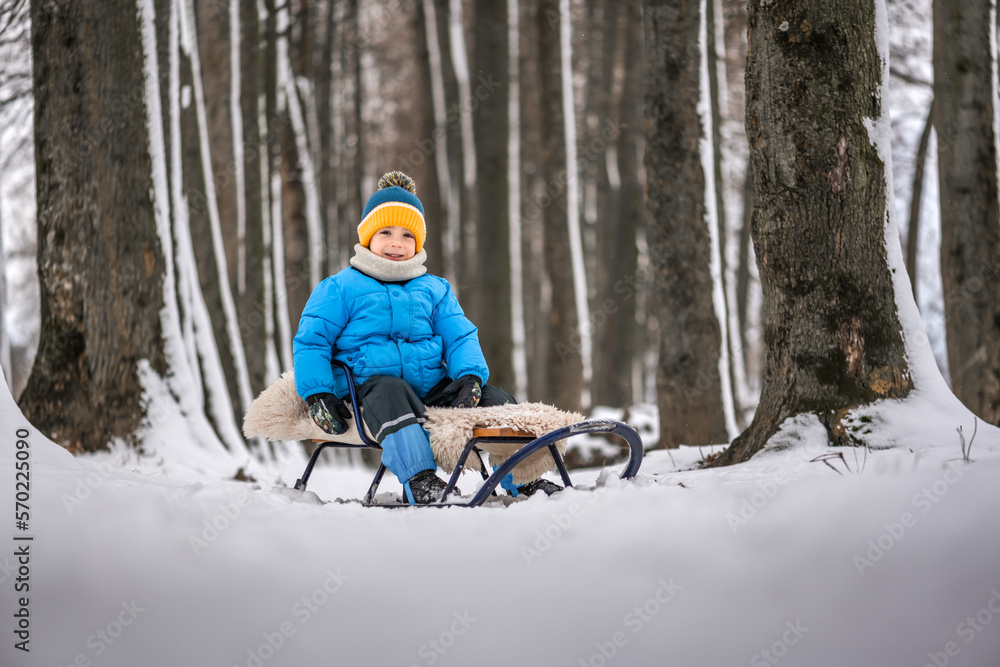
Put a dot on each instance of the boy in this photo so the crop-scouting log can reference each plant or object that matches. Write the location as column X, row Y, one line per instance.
column 405, row 337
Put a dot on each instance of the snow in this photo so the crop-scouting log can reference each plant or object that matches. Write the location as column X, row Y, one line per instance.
column 162, row 559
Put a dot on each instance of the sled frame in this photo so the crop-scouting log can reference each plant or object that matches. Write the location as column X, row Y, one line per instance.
column 530, row 446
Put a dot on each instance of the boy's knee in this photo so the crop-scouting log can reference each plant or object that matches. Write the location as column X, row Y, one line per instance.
column 493, row 396
column 393, row 383
column 387, row 384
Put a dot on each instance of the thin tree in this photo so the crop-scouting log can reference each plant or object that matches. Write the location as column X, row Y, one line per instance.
column 965, row 123
column 565, row 359
column 489, row 122
column 913, row 228
column 693, row 389
column 832, row 333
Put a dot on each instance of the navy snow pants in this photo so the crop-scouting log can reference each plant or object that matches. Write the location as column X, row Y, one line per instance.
column 394, row 413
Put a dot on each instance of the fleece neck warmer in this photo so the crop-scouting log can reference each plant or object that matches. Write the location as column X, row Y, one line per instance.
column 387, row 270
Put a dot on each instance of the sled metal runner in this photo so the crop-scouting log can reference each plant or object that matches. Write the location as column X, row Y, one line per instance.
column 529, row 446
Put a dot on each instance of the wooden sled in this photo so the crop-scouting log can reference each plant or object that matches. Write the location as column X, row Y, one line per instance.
column 517, row 448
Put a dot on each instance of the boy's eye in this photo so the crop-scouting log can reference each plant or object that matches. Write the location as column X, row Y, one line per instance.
column 409, row 235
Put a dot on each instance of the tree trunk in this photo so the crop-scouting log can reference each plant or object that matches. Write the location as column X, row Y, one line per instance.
column 565, row 364
column 535, row 283
column 964, row 111
column 214, row 36
column 615, row 339
column 616, row 253
column 5, row 355
column 489, row 123
column 328, row 80
column 467, row 271
column 100, row 263
column 690, row 383
column 251, row 301
column 718, row 99
column 913, row 228
column 423, row 139
column 832, row 333
column 192, row 203
column 451, row 228
column 631, row 211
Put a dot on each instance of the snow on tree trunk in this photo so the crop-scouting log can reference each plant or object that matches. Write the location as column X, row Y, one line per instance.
column 84, row 388
column 439, row 137
column 693, row 388
column 519, row 357
column 965, row 101
column 573, row 198
column 4, row 339
column 251, row 299
column 464, row 235
column 840, row 327
column 112, row 362
column 211, row 248
column 202, row 352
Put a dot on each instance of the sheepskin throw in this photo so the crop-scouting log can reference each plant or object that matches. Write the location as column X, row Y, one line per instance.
column 280, row 414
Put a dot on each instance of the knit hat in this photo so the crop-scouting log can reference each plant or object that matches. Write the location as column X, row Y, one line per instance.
column 395, row 203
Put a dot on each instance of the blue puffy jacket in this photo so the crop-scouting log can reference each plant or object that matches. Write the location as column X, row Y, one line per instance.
column 414, row 330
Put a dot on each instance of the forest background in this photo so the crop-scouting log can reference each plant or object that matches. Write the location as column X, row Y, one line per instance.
column 277, row 120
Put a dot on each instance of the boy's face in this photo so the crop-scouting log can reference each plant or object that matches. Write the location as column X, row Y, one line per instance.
column 394, row 243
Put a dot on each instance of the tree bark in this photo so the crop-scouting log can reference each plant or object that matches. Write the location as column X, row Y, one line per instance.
column 100, row 262
column 964, row 117
column 423, row 140
column 193, row 185
column 613, row 320
column 630, row 213
column 489, row 122
column 913, row 228
column 535, row 278
column 565, row 363
column 215, row 46
column 832, row 334
column 689, row 388
column 251, row 301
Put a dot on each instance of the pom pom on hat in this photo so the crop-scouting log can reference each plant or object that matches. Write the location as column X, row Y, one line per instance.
column 395, row 203
column 398, row 178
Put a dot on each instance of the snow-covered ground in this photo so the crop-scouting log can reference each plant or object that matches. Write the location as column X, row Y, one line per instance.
column 164, row 560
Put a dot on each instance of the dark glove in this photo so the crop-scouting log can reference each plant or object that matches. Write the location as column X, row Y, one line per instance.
column 467, row 392
column 329, row 413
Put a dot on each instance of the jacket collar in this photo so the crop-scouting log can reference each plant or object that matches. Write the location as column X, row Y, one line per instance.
column 386, row 270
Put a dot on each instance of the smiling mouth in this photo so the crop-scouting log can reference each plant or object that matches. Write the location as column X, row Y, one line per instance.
column 394, row 256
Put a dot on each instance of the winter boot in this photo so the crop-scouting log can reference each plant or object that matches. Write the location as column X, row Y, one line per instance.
column 425, row 488
column 539, row 484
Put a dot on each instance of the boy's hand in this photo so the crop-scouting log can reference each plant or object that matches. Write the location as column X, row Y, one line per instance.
column 329, row 413
column 467, row 392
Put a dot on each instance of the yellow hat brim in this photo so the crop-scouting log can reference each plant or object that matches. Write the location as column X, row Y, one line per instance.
column 393, row 214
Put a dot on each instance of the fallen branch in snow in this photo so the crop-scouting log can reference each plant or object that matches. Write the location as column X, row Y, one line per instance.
column 967, row 449
column 858, row 465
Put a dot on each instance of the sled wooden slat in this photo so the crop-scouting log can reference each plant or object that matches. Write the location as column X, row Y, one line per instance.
column 502, row 432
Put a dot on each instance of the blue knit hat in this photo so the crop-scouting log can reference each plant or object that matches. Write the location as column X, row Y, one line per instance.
column 395, row 203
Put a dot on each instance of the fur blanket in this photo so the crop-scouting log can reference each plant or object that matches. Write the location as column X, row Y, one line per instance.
column 280, row 414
